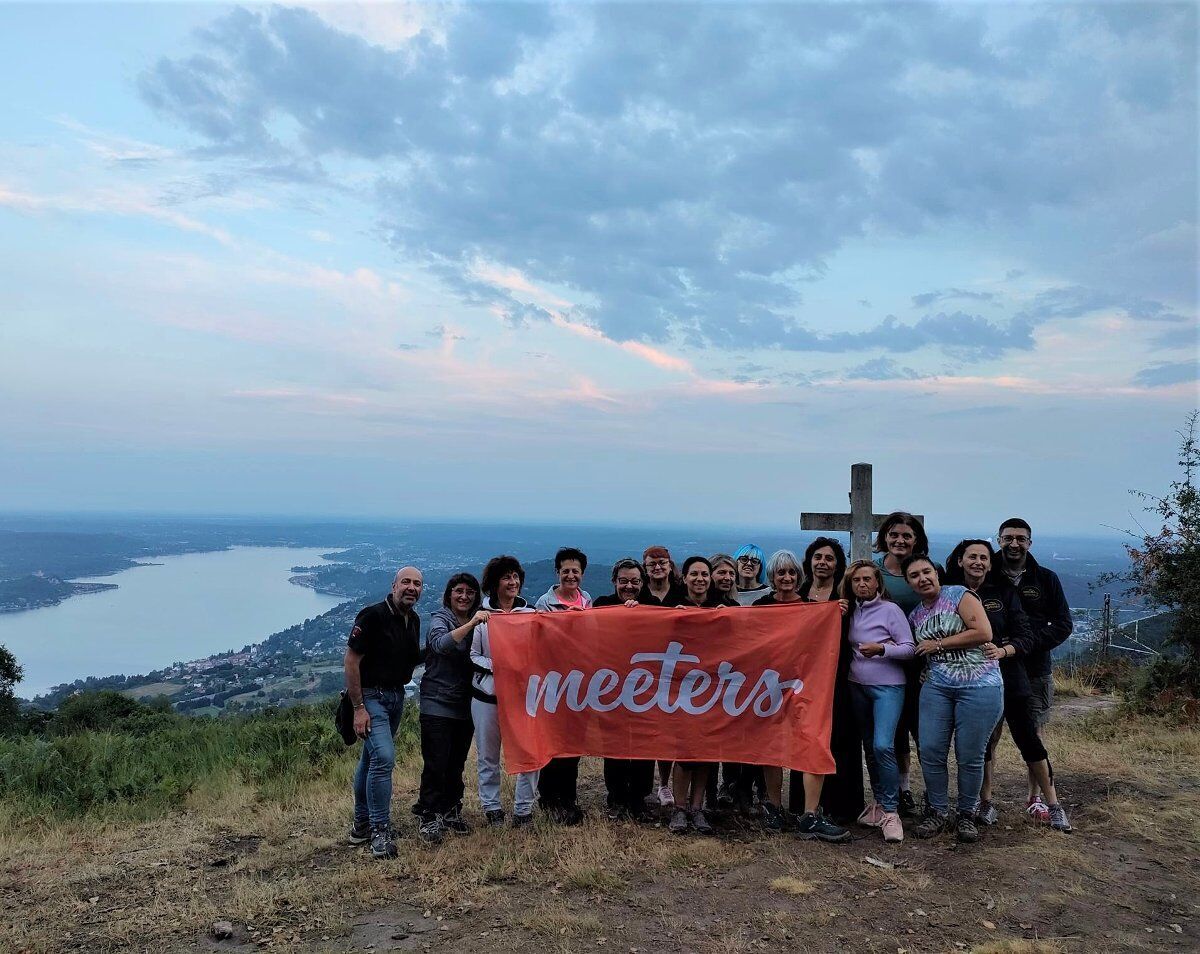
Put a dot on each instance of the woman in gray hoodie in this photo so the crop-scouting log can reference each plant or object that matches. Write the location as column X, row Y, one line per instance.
column 503, row 578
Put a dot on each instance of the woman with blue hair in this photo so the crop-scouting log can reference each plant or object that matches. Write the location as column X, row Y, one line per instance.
column 751, row 574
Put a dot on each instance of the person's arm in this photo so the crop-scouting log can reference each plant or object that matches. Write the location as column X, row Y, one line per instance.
column 1059, row 624
column 352, row 663
column 481, row 653
column 1021, row 637
column 978, row 630
column 902, row 645
column 444, row 640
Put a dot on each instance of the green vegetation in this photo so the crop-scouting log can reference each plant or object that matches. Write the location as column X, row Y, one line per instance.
column 107, row 755
column 1165, row 571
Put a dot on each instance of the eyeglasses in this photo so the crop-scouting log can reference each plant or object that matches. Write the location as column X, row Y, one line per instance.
column 629, row 581
column 1014, row 538
column 658, row 563
column 748, row 559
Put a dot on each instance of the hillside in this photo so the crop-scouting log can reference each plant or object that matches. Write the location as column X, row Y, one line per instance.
column 242, row 820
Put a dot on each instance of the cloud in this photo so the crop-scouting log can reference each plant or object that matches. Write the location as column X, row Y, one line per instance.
column 880, row 369
column 1168, row 373
column 133, row 202
column 933, row 297
column 593, row 148
column 445, row 334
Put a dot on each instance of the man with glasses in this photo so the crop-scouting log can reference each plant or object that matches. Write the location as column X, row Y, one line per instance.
column 1042, row 599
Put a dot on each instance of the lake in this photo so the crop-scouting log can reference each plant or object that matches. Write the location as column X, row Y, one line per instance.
column 184, row 607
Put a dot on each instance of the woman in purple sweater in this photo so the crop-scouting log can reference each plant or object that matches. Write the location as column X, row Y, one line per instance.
column 880, row 639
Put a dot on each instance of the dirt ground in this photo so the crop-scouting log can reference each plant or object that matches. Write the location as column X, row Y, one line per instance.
column 1127, row 879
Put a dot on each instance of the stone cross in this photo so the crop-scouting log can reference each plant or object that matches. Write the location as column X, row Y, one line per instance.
column 861, row 522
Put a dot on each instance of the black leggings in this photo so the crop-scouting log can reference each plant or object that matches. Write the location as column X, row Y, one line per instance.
column 910, row 715
column 1018, row 713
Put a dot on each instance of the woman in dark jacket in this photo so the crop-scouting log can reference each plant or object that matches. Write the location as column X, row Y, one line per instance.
column 970, row 564
column 446, row 727
column 842, row 795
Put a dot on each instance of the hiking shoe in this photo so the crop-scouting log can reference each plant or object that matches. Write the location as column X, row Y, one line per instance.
column 934, row 823
column 359, row 834
column 965, row 830
column 1059, row 820
column 454, row 823
column 1036, row 809
column 872, row 815
column 679, row 822
column 893, row 828
column 382, row 845
column 725, row 797
column 666, row 798
column 432, row 831
column 816, row 825
column 772, row 818
column 908, row 804
column 700, row 823
column 987, row 814
column 522, row 821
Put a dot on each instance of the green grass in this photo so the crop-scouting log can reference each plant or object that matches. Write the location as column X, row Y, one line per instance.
column 146, row 764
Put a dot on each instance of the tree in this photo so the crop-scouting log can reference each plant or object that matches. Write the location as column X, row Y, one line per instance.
column 10, row 674
column 1165, row 568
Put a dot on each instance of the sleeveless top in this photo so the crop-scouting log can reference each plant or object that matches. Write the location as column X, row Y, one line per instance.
column 954, row 667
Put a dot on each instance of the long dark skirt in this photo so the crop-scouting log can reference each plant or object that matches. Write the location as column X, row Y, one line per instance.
column 842, row 794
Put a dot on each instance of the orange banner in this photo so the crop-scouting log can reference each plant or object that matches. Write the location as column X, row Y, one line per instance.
column 734, row 684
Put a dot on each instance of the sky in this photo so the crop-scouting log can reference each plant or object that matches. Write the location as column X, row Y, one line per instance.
column 672, row 262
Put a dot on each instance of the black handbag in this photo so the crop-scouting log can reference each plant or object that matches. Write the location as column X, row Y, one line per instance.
column 343, row 718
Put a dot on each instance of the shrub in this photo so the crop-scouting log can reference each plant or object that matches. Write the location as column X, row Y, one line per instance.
column 106, row 757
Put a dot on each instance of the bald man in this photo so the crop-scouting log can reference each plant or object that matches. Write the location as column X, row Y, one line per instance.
column 383, row 650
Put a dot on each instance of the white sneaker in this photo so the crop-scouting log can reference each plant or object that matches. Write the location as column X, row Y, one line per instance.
column 665, row 797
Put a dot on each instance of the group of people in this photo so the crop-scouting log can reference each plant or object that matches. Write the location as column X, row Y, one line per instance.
column 929, row 652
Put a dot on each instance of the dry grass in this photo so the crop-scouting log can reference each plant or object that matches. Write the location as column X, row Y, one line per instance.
column 280, row 868
column 790, row 885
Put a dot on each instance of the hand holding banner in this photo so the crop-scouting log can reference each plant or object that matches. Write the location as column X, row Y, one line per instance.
column 752, row 685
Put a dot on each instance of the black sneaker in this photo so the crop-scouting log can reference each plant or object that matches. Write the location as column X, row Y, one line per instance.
column 934, row 823
column 522, row 821
column 772, row 818
column 908, row 805
column 494, row 818
column 816, row 825
column 453, row 822
column 700, row 823
column 359, row 834
column 965, row 829
column 382, row 845
column 432, row 831
column 679, row 822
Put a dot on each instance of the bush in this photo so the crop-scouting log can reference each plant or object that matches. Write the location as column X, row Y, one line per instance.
column 105, row 757
column 1165, row 688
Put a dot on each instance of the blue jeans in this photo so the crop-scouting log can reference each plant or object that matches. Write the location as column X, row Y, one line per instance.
column 373, row 777
column 877, row 710
column 970, row 713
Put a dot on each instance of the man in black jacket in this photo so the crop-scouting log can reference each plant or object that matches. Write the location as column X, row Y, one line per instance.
column 1044, row 603
column 381, row 654
column 1050, row 619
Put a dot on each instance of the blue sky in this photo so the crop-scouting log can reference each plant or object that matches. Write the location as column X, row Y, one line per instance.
column 672, row 262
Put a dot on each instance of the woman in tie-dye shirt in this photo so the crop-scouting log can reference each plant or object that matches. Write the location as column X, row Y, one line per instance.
column 963, row 695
